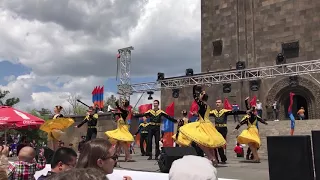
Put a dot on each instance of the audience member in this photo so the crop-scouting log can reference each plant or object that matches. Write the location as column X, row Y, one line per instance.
column 100, row 154
column 26, row 166
column 63, row 159
column 201, row 169
column 80, row 174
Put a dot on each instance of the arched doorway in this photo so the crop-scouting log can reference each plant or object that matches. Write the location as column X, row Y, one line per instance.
column 306, row 94
column 298, row 102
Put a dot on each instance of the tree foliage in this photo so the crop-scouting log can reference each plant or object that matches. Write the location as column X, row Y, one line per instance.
column 110, row 101
column 4, row 101
column 75, row 108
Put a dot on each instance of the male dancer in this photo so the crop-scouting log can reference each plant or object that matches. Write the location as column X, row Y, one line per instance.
column 220, row 116
column 92, row 120
column 143, row 130
column 155, row 116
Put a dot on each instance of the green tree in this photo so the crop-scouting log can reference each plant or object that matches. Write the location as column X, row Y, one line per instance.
column 110, row 101
column 7, row 101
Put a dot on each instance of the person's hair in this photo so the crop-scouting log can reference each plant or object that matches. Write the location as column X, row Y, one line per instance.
column 92, row 151
column 184, row 112
column 3, row 174
column 64, row 155
column 156, row 101
column 126, row 103
column 59, row 108
column 80, row 174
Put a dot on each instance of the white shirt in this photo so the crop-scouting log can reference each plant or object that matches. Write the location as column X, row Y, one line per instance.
column 259, row 105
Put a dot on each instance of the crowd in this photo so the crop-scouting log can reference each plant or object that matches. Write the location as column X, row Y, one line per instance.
column 96, row 160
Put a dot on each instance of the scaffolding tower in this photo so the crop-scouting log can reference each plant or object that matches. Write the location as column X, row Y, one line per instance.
column 124, row 71
column 291, row 69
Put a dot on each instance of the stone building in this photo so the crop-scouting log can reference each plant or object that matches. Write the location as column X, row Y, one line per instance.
column 255, row 32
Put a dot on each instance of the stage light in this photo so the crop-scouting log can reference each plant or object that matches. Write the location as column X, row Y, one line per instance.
column 226, row 88
column 293, row 81
column 240, row 65
column 189, row 72
column 280, row 59
column 160, row 76
column 254, row 85
column 150, row 95
column 175, row 93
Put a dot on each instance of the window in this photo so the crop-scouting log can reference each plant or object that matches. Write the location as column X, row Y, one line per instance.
column 217, row 48
column 290, row 50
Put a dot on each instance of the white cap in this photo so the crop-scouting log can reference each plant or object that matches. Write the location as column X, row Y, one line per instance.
column 192, row 167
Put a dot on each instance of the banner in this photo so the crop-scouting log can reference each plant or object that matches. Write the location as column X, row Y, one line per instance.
column 168, row 127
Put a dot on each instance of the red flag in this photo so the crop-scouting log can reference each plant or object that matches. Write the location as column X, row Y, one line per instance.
column 227, row 105
column 170, row 109
column 253, row 101
column 101, row 97
column 194, row 108
column 144, row 108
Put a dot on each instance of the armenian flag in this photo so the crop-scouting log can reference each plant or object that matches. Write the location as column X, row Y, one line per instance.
column 98, row 96
column 168, row 127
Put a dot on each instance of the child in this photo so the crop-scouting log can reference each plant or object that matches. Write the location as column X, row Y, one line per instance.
column 239, row 150
column 26, row 166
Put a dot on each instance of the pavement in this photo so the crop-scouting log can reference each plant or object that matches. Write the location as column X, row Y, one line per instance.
column 236, row 168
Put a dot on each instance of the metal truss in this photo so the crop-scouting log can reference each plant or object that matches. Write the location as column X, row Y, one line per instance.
column 291, row 69
column 124, row 62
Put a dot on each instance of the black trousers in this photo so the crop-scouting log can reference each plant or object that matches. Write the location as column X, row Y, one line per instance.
column 143, row 139
column 91, row 134
column 223, row 131
column 154, row 131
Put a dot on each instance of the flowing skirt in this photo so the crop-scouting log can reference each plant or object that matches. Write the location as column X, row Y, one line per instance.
column 201, row 132
column 121, row 134
column 250, row 135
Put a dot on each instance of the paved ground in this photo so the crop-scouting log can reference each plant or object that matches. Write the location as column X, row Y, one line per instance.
column 237, row 168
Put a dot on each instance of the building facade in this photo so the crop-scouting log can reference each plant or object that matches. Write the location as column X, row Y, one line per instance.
column 255, row 32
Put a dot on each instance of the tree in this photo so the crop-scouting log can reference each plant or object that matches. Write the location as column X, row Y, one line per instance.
column 7, row 101
column 110, row 101
column 76, row 107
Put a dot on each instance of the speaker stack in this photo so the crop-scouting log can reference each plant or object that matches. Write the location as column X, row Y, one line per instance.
column 316, row 152
column 170, row 154
column 290, row 157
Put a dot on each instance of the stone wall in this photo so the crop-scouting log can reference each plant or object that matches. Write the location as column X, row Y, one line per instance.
column 105, row 123
column 253, row 31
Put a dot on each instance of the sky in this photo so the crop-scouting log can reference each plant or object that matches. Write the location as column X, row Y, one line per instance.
column 53, row 49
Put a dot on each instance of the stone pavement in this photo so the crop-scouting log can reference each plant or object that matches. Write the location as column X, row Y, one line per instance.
column 237, row 168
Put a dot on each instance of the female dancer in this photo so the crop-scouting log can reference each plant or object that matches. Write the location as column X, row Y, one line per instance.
column 250, row 135
column 55, row 127
column 121, row 136
column 201, row 132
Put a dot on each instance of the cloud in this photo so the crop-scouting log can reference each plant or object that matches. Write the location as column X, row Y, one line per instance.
column 70, row 45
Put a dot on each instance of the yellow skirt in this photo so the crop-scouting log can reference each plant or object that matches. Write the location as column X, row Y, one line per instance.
column 200, row 132
column 250, row 135
column 182, row 140
column 120, row 134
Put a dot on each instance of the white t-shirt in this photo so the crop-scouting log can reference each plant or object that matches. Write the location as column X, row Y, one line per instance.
column 259, row 105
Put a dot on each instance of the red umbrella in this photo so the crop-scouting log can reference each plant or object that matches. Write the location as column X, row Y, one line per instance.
column 13, row 118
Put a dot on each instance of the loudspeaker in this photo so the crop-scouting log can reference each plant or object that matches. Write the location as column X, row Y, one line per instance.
column 170, row 154
column 316, row 152
column 290, row 157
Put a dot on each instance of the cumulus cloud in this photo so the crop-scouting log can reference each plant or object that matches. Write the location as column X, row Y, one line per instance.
column 70, row 45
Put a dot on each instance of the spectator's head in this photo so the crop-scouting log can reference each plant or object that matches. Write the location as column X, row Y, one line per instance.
column 98, row 153
column 201, row 169
column 63, row 159
column 80, row 174
column 27, row 154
